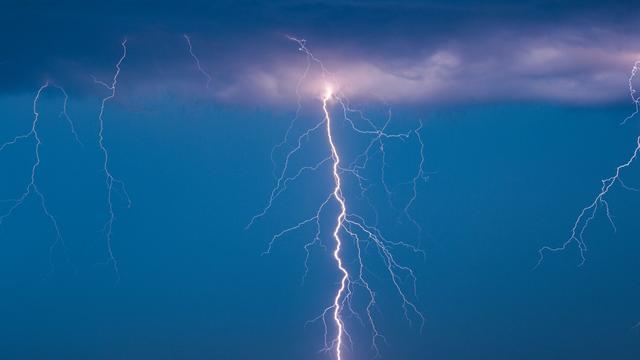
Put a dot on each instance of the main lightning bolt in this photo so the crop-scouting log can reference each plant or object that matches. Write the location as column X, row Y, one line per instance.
column 589, row 212
column 32, row 187
column 110, row 180
column 349, row 229
column 337, row 194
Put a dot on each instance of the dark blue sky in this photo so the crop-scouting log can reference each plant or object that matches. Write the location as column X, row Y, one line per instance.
column 517, row 145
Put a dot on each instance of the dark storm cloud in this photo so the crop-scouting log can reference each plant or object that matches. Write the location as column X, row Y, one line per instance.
column 412, row 51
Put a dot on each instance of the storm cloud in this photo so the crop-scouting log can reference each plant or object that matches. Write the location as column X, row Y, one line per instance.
column 398, row 52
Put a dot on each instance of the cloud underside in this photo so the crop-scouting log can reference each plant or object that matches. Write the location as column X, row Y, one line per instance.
column 521, row 69
column 396, row 52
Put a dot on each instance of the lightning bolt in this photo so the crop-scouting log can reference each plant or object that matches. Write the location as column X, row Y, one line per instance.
column 32, row 187
column 337, row 194
column 589, row 212
column 110, row 181
column 350, row 229
column 202, row 71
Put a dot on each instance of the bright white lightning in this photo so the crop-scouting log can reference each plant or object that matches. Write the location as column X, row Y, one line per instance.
column 32, row 186
column 110, row 180
column 588, row 213
column 348, row 226
column 337, row 194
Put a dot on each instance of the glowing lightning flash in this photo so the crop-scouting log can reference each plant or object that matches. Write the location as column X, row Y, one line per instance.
column 588, row 213
column 337, row 194
column 32, row 187
column 110, row 180
column 348, row 226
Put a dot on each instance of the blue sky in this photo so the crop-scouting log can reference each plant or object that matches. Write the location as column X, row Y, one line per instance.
column 521, row 108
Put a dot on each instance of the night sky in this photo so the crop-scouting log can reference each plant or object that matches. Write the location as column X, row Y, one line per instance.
column 521, row 108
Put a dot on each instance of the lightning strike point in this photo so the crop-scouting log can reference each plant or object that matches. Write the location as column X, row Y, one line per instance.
column 328, row 93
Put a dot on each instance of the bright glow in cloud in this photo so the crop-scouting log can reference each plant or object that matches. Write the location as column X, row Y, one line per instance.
column 532, row 69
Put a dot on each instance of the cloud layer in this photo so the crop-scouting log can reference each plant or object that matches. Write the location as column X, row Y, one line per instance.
column 398, row 52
